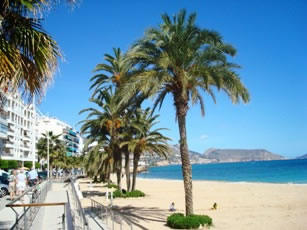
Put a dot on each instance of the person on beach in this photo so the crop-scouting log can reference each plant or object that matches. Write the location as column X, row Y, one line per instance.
column 12, row 184
column 21, row 182
column 172, row 207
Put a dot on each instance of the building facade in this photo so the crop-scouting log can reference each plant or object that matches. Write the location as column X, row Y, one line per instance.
column 18, row 129
column 71, row 138
column 21, row 126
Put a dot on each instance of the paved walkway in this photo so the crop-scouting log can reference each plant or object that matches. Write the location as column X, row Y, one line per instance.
column 50, row 217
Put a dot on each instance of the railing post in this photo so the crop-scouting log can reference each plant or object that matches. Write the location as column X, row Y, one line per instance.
column 24, row 218
column 63, row 217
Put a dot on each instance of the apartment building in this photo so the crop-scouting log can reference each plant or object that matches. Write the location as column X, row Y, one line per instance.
column 71, row 138
column 17, row 129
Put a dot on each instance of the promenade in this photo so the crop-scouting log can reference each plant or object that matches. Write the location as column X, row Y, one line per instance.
column 63, row 199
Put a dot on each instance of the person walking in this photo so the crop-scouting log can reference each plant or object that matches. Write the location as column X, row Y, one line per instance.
column 33, row 177
column 21, row 182
column 12, row 184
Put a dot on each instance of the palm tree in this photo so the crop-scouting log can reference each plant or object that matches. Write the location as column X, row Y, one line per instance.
column 145, row 139
column 104, row 124
column 182, row 59
column 57, row 157
column 28, row 54
column 111, row 74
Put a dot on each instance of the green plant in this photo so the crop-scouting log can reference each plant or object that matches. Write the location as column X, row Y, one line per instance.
column 135, row 193
column 12, row 164
column 28, row 164
column 3, row 164
column 37, row 165
column 111, row 186
column 179, row 221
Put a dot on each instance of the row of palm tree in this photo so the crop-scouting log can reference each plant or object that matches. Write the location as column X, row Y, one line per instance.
column 58, row 158
column 176, row 58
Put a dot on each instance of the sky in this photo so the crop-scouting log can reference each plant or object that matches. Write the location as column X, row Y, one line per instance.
column 270, row 37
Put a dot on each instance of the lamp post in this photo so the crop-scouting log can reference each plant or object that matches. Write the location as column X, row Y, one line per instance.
column 48, row 174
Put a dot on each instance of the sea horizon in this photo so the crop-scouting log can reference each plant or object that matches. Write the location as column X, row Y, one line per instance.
column 285, row 171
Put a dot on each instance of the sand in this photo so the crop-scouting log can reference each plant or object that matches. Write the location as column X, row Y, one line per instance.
column 239, row 205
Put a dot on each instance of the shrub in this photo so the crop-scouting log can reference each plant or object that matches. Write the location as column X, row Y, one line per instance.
column 134, row 193
column 4, row 164
column 37, row 165
column 28, row 164
column 13, row 164
column 179, row 221
column 111, row 186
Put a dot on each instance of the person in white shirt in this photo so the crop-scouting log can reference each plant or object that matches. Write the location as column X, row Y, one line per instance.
column 21, row 182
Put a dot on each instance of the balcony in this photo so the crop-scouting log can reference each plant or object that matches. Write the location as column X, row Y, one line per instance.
column 9, row 145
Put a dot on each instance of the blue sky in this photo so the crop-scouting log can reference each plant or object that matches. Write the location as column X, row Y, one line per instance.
column 270, row 37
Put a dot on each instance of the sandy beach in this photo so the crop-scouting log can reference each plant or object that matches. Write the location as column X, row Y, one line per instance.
column 240, row 205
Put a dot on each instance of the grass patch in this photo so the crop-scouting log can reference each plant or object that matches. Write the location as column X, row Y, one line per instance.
column 111, row 186
column 136, row 193
column 180, row 221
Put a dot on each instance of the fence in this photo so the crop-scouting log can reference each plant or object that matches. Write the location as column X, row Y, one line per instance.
column 25, row 218
column 105, row 212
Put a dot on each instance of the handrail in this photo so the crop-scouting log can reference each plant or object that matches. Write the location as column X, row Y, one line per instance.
column 80, row 209
column 36, row 204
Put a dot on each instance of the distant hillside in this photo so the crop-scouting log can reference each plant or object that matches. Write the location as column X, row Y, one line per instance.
column 302, row 157
column 213, row 155
column 236, row 155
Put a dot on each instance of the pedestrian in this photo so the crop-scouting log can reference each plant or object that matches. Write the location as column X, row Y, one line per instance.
column 33, row 177
column 12, row 184
column 21, row 182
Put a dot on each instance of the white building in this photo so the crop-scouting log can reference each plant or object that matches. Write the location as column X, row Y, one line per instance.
column 17, row 130
column 71, row 138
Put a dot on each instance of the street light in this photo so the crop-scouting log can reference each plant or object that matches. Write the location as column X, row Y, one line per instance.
column 48, row 155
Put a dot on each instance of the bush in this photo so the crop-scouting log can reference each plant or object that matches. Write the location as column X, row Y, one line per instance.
column 37, row 165
column 28, row 164
column 111, row 186
column 134, row 193
column 179, row 221
column 4, row 164
column 12, row 164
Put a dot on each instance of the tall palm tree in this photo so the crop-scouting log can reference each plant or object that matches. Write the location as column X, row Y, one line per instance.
column 57, row 153
column 106, row 122
column 145, row 139
column 182, row 59
column 28, row 54
column 115, row 70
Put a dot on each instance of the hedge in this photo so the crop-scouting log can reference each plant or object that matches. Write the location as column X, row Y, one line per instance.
column 134, row 194
column 179, row 221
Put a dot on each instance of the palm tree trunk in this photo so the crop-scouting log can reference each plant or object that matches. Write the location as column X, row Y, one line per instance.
column 185, row 159
column 119, row 174
column 127, row 169
column 136, row 158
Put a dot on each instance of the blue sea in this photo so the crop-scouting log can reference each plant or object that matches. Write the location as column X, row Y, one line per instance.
column 279, row 171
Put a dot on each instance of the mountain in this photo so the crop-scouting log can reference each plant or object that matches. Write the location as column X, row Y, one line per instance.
column 213, row 155
column 238, row 155
column 174, row 158
column 302, row 157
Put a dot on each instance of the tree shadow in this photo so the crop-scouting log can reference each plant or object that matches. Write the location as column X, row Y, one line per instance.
column 130, row 215
column 87, row 194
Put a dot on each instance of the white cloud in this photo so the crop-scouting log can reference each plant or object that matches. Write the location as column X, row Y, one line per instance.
column 203, row 137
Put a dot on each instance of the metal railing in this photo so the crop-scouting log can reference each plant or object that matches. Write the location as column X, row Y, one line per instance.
column 25, row 218
column 105, row 212
column 76, row 207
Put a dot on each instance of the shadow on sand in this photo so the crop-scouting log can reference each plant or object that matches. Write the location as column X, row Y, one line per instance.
column 135, row 216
